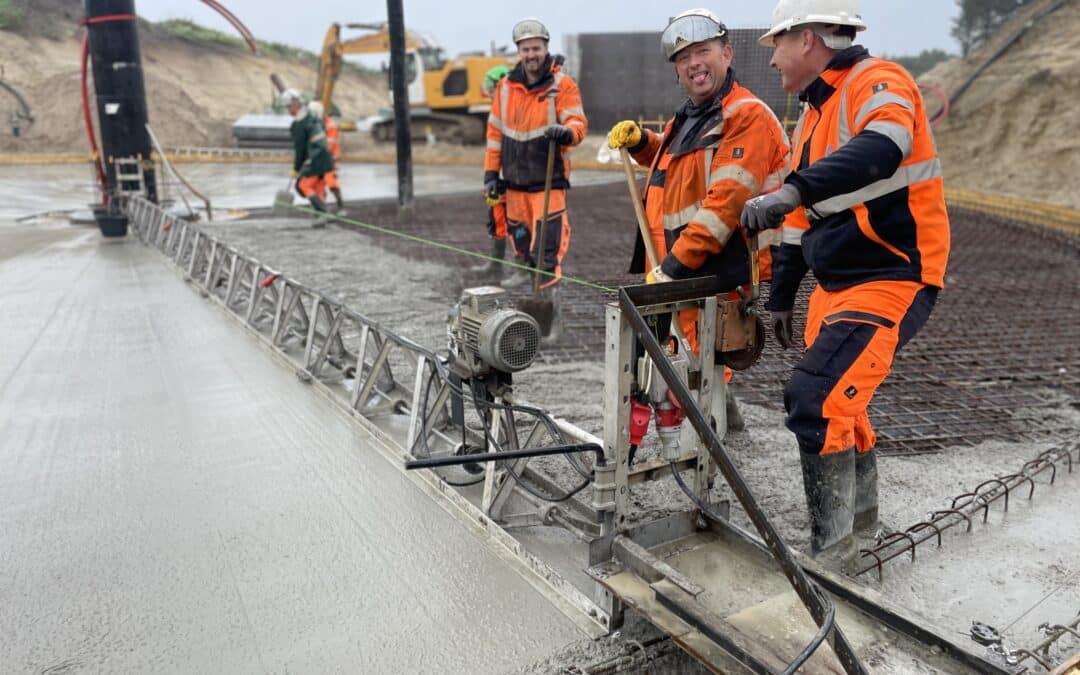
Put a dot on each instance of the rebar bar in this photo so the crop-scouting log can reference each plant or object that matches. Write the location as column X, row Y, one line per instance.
column 964, row 506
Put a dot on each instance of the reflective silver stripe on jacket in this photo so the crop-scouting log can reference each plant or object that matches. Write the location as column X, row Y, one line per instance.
column 880, row 100
column 570, row 112
column 496, row 122
column 792, row 235
column 719, row 230
column 674, row 221
column 317, row 137
column 904, row 177
column 768, row 238
column 845, row 131
column 494, row 145
column 897, row 133
column 738, row 174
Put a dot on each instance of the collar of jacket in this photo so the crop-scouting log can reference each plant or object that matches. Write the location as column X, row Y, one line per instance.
column 823, row 87
column 549, row 68
column 693, row 122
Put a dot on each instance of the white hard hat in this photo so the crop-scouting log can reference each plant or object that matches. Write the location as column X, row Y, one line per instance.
column 290, row 96
column 530, row 28
column 316, row 109
column 791, row 13
column 693, row 25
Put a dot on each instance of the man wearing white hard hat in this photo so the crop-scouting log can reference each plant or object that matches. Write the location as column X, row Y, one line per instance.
column 864, row 209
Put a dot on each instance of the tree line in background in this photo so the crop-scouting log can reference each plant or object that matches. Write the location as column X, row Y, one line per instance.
column 979, row 19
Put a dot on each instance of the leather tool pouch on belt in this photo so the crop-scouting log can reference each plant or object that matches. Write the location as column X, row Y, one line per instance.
column 740, row 333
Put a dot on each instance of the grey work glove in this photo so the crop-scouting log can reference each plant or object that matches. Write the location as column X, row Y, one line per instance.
column 491, row 185
column 560, row 134
column 767, row 211
column 782, row 327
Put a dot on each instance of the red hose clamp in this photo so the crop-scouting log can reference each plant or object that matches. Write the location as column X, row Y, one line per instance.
column 269, row 281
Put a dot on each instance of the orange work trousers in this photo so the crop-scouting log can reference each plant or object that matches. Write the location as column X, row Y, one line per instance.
column 311, row 185
column 524, row 211
column 332, row 180
column 852, row 336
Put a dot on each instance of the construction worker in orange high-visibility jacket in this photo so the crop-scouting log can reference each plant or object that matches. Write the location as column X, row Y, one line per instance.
column 535, row 104
column 864, row 209
column 722, row 147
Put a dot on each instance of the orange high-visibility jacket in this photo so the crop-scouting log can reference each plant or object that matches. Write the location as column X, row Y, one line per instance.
column 697, row 184
column 333, row 137
column 515, row 129
column 866, row 166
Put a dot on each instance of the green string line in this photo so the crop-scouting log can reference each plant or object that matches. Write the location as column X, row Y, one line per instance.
column 448, row 247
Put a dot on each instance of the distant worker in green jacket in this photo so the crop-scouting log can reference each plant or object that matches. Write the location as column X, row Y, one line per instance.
column 311, row 154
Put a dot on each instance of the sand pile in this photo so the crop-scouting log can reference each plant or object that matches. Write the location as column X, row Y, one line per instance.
column 195, row 91
column 1013, row 130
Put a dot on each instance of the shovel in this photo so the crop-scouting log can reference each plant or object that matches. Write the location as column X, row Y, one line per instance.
column 283, row 200
column 651, row 259
column 538, row 307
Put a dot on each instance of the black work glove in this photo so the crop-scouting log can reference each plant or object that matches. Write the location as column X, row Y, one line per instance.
column 767, row 211
column 560, row 134
column 782, row 328
column 491, row 185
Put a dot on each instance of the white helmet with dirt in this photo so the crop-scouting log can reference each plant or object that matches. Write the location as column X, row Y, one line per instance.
column 693, row 25
column 290, row 97
column 530, row 28
column 792, row 13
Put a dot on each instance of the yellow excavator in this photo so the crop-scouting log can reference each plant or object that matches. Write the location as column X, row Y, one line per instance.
column 445, row 96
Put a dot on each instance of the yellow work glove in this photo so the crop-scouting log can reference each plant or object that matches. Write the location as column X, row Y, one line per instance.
column 294, row 173
column 491, row 201
column 625, row 134
column 657, row 276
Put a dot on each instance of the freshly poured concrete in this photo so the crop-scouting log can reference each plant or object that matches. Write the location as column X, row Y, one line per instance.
column 173, row 500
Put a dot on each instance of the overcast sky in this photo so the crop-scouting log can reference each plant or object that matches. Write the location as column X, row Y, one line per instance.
column 896, row 27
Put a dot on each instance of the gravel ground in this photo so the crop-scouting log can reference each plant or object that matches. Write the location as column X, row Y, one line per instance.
column 402, row 285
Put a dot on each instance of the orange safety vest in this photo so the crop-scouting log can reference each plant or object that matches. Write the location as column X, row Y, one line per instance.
column 895, row 228
column 333, row 137
column 520, row 113
column 693, row 199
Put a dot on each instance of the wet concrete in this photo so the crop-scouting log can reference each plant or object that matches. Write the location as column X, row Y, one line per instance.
column 36, row 189
column 175, row 501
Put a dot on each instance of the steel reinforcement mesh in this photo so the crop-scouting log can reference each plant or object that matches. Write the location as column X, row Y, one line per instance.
column 998, row 358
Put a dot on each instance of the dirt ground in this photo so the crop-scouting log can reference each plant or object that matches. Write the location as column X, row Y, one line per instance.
column 395, row 283
column 1013, row 131
column 195, row 91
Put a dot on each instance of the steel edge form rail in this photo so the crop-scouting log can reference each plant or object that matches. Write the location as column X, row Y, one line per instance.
column 202, row 260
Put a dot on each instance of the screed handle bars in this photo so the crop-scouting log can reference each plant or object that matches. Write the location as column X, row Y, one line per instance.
column 455, row 460
column 814, row 600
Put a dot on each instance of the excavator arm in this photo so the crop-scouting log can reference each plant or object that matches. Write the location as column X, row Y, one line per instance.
column 333, row 51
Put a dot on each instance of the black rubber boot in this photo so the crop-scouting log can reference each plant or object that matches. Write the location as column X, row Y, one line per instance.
column 318, row 204
column 866, row 493
column 829, row 482
column 493, row 268
column 340, row 202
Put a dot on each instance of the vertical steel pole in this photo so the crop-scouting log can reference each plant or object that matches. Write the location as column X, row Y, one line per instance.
column 399, row 88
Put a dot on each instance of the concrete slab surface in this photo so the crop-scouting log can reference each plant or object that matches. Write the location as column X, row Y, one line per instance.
column 173, row 500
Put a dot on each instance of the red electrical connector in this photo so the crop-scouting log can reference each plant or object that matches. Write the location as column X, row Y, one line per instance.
column 640, row 414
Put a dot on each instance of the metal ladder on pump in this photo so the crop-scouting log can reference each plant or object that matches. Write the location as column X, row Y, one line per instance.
column 130, row 180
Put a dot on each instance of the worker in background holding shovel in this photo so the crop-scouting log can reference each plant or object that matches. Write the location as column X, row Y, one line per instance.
column 722, row 147
column 536, row 115
column 311, row 155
